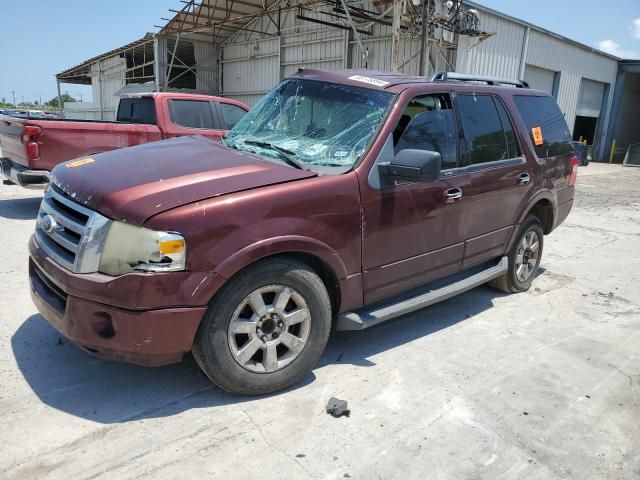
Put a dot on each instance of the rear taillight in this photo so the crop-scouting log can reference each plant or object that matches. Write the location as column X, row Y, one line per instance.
column 33, row 151
column 31, row 130
column 575, row 161
column 29, row 135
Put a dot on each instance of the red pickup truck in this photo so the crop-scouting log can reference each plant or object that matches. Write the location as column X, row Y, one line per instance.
column 30, row 148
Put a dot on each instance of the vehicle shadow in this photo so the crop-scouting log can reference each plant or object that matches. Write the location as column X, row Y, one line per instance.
column 66, row 378
column 356, row 348
column 20, row 208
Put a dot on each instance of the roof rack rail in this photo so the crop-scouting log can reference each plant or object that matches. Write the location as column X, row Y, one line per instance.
column 464, row 77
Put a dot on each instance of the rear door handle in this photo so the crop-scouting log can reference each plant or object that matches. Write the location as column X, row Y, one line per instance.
column 452, row 195
column 524, row 179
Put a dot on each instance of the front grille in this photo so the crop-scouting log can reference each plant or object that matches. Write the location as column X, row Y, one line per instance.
column 71, row 234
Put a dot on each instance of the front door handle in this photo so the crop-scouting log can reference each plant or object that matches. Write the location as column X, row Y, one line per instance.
column 524, row 179
column 452, row 195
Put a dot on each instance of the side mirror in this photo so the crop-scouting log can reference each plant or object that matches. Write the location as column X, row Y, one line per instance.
column 412, row 165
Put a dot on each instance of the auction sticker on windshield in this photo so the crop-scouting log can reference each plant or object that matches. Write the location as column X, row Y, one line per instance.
column 369, row 80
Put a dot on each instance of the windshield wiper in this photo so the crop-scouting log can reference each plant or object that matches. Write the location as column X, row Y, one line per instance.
column 287, row 155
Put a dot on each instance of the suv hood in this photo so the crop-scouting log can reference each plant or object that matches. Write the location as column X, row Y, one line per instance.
column 133, row 184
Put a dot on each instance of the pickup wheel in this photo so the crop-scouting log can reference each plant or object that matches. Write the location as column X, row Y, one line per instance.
column 266, row 329
column 524, row 258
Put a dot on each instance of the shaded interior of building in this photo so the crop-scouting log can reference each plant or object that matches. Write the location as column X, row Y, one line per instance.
column 625, row 129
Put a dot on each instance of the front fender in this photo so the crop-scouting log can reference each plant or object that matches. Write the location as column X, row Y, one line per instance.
column 284, row 244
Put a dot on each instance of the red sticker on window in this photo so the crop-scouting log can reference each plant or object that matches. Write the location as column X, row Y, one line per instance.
column 537, row 136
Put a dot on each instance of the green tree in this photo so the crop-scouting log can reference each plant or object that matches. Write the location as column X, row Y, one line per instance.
column 65, row 98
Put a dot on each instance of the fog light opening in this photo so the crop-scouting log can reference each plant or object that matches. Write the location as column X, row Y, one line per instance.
column 103, row 325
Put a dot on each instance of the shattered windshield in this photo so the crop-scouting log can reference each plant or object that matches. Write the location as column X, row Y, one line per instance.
column 312, row 124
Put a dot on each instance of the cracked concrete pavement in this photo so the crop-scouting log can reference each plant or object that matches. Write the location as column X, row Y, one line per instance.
column 544, row 384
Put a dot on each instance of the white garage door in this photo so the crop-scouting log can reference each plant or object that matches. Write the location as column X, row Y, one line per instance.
column 540, row 78
column 590, row 98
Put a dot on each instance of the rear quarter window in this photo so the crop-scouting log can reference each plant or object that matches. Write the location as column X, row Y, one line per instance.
column 137, row 110
column 546, row 125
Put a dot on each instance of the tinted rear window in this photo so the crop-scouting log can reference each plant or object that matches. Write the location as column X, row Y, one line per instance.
column 543, row 118
column 137, row 110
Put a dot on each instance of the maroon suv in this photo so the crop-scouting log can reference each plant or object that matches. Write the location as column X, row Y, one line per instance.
column 341, row 200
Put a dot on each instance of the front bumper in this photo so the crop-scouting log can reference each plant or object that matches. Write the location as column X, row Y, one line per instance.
column 157, row 328
column 14, row 173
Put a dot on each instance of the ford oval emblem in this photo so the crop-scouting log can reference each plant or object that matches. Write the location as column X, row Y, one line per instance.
column 48, row 224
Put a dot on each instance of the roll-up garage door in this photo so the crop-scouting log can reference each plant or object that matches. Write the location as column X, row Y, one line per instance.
column 540, row 78
column 590, row 98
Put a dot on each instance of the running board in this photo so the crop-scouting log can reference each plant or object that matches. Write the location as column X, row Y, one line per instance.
column 425, row 296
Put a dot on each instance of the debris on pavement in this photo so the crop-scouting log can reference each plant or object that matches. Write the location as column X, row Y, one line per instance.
column 337, row 408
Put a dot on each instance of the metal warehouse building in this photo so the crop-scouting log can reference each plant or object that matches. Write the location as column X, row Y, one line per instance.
column 243, row 48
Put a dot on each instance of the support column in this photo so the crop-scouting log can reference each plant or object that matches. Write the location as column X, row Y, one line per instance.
column 523, row 53
column 59, row 97
column 423, row 36
column 395, row 35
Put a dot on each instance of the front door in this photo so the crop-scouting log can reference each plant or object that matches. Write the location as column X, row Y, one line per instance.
column 412, row 233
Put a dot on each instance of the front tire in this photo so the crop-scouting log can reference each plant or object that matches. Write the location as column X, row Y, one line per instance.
column 266, row 329
column 524, row 258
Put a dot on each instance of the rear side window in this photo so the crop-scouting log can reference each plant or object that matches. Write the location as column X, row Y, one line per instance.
column 137, row 110
column 231, row 114
column 546, row 126
column 192, row 113
column 485, row 138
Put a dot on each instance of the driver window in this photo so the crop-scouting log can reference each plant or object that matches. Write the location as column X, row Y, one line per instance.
column 428, row 124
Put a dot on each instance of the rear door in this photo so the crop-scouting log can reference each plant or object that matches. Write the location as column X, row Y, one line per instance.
column 494, row 180
column 193, row 117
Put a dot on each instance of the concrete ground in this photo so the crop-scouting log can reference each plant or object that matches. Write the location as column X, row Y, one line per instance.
column 539, row 385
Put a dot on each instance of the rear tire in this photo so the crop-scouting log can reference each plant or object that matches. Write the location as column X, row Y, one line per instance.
column 524, row 258
column 266, row 329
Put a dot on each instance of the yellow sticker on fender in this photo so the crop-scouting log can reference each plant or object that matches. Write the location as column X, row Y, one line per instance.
column 537, row 136
column 79, row 163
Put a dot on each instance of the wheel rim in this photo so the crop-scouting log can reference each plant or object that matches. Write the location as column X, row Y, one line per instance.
column 527, row 256
column 269, row 329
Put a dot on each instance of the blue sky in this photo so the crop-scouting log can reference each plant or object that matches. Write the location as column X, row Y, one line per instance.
column 44, row 37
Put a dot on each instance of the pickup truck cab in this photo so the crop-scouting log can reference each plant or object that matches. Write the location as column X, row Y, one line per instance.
column 31, row 147
column 341, row 200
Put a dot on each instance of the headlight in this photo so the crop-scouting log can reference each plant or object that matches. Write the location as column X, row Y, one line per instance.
column 128, row 248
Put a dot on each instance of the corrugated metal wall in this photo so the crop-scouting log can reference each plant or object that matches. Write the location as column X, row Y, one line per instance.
column 107, row 77
column 206, row 54
column 498, row 55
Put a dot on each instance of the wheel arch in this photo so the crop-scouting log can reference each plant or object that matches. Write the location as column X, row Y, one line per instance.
column 542, row 206
column 321, row 258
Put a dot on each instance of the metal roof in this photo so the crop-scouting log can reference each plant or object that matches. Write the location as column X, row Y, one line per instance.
column 219, row 20
column 80, row 73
